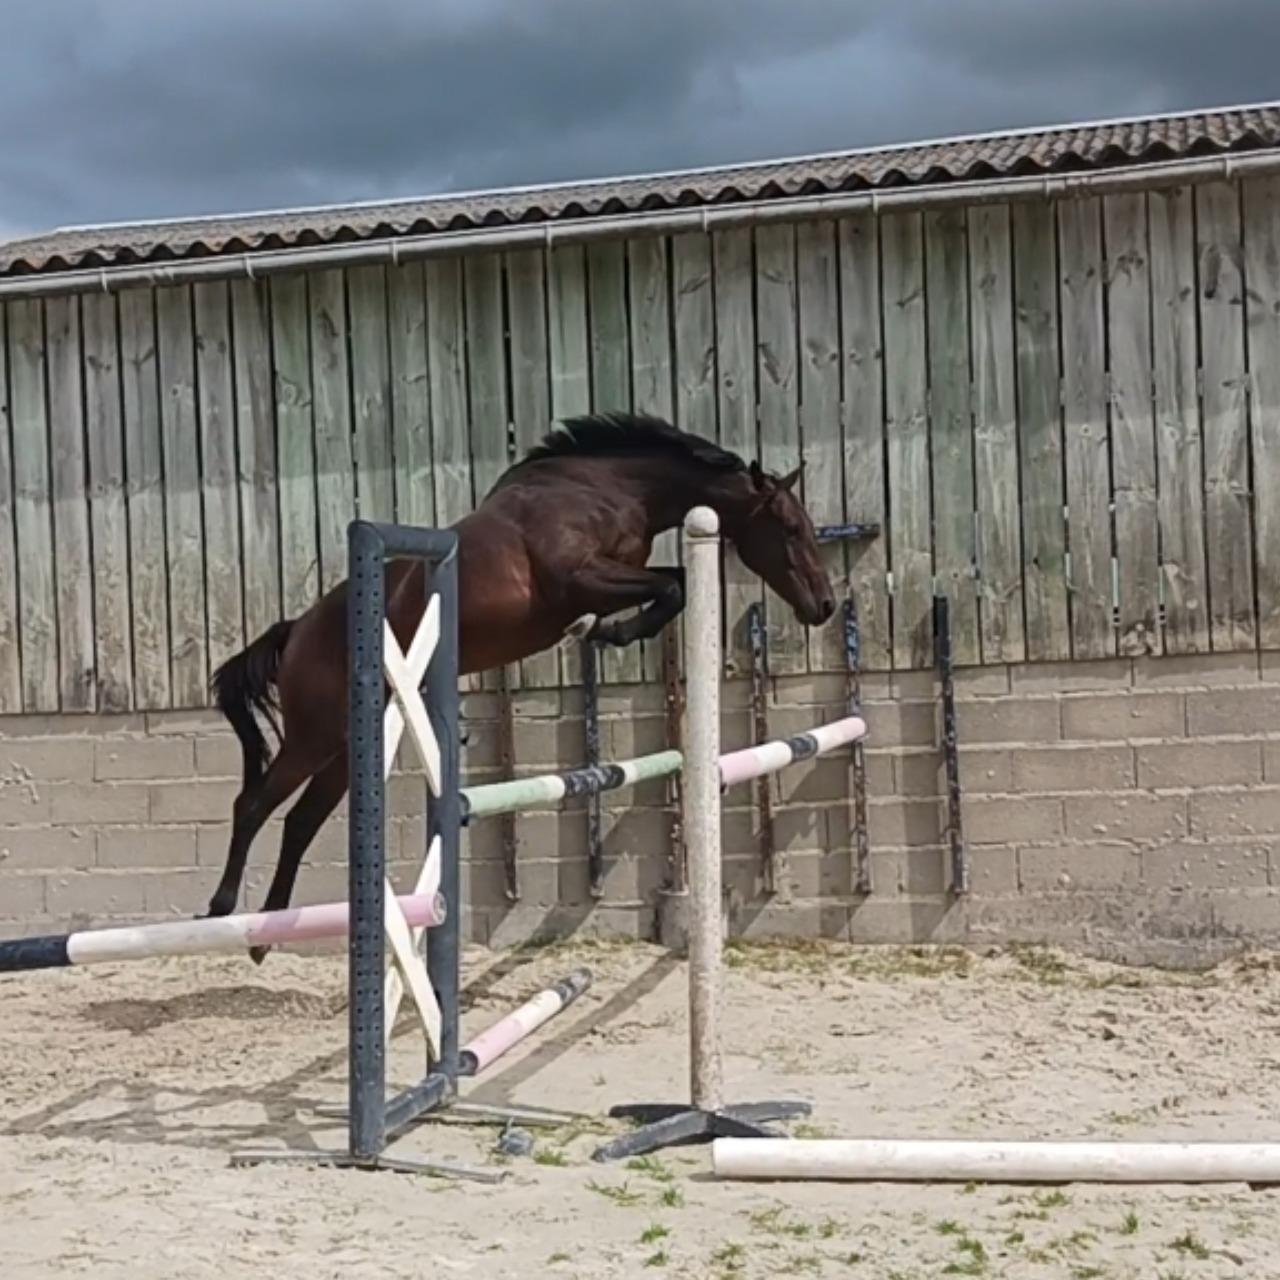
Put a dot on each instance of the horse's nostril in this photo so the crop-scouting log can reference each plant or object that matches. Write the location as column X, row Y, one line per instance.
column 827, row 608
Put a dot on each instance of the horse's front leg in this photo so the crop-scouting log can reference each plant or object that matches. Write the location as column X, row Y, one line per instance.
column 657, row 592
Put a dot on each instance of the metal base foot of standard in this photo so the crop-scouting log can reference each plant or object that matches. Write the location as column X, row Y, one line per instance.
column 666, row 1124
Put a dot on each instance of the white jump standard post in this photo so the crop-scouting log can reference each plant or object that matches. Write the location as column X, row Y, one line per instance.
column 706, row 1118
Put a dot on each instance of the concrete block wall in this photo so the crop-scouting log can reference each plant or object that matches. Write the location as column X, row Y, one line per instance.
column 1125, row 808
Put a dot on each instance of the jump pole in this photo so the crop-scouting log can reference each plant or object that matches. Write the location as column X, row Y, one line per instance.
column 705, row 774
column 956, row 1160
column 207, row 937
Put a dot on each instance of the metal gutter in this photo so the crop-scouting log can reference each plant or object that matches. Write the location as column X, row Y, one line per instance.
column 394, row 250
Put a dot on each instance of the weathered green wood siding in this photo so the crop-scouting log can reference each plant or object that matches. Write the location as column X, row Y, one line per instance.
column 1065, row 415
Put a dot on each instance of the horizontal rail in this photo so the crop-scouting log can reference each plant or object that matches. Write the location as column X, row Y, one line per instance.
column 769, row 757
column 547, row 789
column 202, row 937
column 962, row 1160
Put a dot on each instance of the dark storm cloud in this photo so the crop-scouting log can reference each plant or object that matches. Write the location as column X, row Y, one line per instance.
column 142, row 108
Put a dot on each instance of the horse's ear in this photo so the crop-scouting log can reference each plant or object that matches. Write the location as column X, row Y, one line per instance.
column 756, row 472
column 788, row 481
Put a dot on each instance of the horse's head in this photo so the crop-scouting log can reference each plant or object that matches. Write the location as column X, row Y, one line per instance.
column 775, row 539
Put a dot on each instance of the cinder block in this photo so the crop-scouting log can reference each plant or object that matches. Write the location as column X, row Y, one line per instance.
column 190, row 723
column 547, row 746
column 24, row 804
column 1088, row 867
column 60, row 759
column 824, row 780
column 117, row 759
column 178, row 802
column 1012, row 719
column 1244, row 812
column 1073, row 767
column 809, row 874
column 1271, row 761
column 148, row 847
column 790, row 921
column 179, row 894
column 72, row 726
column 901, row 724
column 22, row 896
column 1197, row 670
column 1099, row 717
column 1207, row 868
column 217, row 756
column 921, row 772
column 45, row 848
column 993, row 870
column 212, row 839
column 1106, row 675
column 1139, row 815
column 1253, row 917
column 82, row 802
column 85, row 897
column 897, row 822
column 1171, row 765
column 900, row 921
column 1004, row 820
column 624, row 738
column 1240, row 712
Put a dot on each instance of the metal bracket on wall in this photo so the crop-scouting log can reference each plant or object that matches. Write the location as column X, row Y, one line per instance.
column 507, row 758
column 759, row 644
column 673, row 705
column 591, row 729
column 857, row 758
column 946, row 672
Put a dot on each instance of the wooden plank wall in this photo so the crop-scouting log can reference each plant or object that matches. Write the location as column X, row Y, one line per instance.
column 1060, row 412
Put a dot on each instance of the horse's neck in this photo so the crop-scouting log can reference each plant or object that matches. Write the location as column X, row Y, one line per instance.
column 674, row 498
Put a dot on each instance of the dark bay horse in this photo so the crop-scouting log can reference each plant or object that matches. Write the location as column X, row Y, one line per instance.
column 558, row 545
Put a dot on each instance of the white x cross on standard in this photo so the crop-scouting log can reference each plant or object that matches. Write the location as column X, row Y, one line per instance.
column 406, row 708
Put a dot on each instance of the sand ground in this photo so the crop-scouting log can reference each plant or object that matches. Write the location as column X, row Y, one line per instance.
column 125, row 1089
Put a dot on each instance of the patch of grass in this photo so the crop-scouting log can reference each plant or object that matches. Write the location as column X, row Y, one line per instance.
column 1087, row 1273
column 1015, row 1238
column 558, row 1256
column 773, row 1221
column 1055, row 1199
column 808, row 1129
column 622, row 1195
column 811, row 1262
column 949, row 1227
column 651, row 1168
column 730, row 1258
column 973, row 1261
column 659, row 1259
column 671, row 1198
column 654, row 1232
column 1130, row 1224
column 1191, row 1244
column 1039, row 963
column 550, row 1156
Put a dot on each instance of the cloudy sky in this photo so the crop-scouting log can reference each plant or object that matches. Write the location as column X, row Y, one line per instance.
column 137, row 109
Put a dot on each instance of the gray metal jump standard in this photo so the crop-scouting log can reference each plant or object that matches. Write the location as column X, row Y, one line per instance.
column 430, row 668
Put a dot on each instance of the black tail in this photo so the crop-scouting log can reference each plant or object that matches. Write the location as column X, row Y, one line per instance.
column 245, row 683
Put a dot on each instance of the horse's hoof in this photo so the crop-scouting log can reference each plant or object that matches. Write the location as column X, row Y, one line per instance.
column 258, row 954
column 582, row 628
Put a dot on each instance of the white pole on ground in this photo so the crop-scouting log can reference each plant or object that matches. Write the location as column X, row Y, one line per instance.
column 700, row 801
column 956, row 1160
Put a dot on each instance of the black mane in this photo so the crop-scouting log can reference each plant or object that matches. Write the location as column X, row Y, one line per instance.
column 620, row 434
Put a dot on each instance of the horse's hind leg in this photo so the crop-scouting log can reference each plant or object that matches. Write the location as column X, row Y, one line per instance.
column 257, row 801
column 317, row 802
